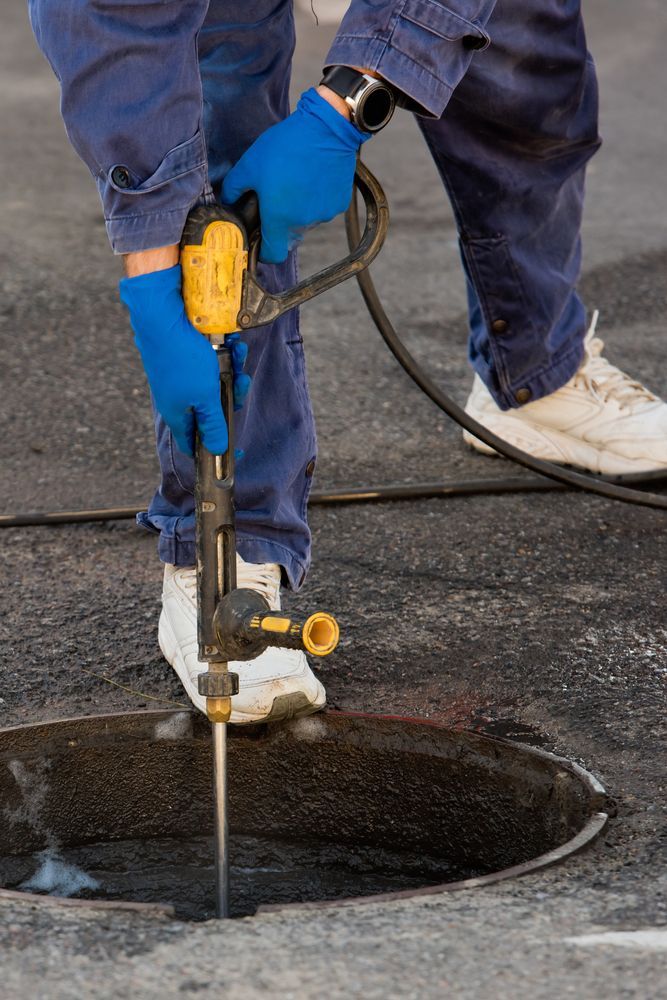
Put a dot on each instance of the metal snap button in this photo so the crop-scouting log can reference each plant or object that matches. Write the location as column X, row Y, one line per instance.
column 499, row 326
column 522, row 395
column 473, row 42
column 121, row 177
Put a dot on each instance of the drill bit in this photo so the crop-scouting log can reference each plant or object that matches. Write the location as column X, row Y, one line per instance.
column 221, row 825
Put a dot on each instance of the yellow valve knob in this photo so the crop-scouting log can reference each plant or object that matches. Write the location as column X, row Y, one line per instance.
column 320, row 634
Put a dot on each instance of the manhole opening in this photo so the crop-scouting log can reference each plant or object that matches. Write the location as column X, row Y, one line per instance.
column 328, row 808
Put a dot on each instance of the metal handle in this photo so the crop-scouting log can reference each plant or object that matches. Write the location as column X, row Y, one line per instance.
column 214, row 512
column 259, row 307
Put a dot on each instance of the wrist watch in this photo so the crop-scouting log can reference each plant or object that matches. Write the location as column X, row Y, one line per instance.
column 371, row 102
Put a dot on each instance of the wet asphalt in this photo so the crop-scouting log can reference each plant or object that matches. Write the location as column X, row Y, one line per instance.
column 543, row 611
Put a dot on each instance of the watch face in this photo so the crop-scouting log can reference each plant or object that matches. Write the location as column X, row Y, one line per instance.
column 374, row 108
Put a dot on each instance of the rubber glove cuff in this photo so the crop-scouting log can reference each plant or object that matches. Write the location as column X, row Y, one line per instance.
column 312, row 103
column 145, row 294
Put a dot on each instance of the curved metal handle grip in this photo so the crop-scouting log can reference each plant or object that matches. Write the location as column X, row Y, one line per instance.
column 259, row 307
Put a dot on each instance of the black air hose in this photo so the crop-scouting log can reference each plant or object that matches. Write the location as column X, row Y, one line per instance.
column 557, row 478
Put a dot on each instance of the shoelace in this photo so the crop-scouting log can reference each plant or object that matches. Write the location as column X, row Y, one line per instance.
column 603, row 379
column 261, row 577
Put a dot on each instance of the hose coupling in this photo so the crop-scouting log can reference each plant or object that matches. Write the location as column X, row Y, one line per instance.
column 245, row 626
column 218, row 685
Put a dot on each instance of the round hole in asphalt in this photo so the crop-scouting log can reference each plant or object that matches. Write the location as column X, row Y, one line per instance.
column 327, row 810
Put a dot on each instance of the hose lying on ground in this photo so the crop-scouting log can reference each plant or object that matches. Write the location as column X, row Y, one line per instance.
column 549, row 477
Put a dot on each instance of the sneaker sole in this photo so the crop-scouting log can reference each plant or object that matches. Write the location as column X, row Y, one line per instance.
column 554, row 446
column 284, row 706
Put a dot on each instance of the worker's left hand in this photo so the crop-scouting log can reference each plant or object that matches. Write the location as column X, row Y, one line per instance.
column 302, row 170
column 179, row 362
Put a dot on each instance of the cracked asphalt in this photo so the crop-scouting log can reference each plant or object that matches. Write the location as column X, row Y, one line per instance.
column 548, row 610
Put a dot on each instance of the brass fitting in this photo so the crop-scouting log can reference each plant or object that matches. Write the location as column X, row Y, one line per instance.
column 219, row 709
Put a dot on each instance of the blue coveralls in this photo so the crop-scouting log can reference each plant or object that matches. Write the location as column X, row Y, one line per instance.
column 511, row 147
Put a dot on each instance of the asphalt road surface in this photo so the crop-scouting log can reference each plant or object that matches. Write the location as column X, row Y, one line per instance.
column 547, row 610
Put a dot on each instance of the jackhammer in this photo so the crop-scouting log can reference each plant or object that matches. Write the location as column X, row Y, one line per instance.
column 222, row 294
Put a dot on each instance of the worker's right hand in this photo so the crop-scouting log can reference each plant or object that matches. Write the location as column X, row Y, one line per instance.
column 180, row 364
column 302, row 170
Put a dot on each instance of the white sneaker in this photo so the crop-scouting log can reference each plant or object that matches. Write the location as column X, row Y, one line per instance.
column 278, row 684
column 601, row 420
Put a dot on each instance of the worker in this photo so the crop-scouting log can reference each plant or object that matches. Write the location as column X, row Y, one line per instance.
column 172, row 104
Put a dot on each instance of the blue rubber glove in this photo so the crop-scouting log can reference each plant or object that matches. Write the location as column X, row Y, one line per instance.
column 302, row 170
column 179, row 362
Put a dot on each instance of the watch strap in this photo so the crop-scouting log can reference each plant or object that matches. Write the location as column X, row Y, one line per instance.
column 341, row 79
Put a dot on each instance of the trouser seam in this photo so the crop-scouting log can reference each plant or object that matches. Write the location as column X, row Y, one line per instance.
column 460, row 225
column 186, row 489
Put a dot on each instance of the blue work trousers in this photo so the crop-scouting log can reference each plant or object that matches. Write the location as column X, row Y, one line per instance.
column 511, row 149
column 245, row 69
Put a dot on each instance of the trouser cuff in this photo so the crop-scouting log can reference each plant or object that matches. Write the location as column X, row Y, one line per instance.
column 181, row 551
column 533, row 386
